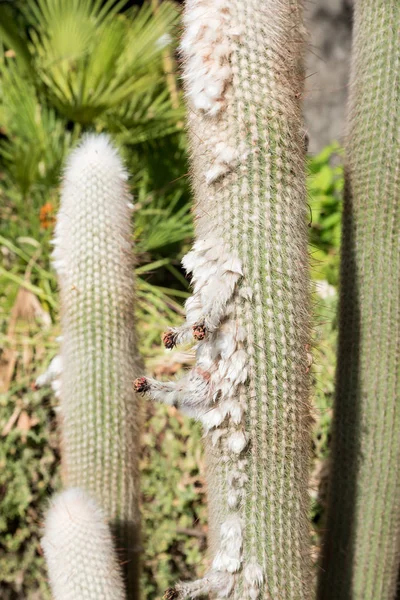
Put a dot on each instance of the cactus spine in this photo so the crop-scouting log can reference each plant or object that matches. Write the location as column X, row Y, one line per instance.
column 249, row 312
column 79, row 550
column 362, row 545
column 94, row 259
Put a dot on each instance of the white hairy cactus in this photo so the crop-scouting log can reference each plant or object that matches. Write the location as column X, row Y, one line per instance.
column 93, row 256
column 79, row 551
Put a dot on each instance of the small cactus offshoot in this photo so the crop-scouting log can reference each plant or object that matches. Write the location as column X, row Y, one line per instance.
column 79, row 550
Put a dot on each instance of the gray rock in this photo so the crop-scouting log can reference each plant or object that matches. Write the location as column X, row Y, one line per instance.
column 329, row 25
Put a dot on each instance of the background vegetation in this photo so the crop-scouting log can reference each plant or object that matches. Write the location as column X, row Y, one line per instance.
column 84, row 65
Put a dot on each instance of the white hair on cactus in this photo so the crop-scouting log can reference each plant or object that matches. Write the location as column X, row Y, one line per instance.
column 226, row 341
column 52, row 376
column 215, row 276
column 96, row 156
column 216, row 269
column 226, row 159
column 206, row 50
column 193, row 260
column 225, row 153
column 190, row 393
column 246, row 292
column 238, row 477
column 56, row 387
column 237, row 442
column 234, row 409
column 214, row 582
column 228, row 557
column 53, row 371
column 216, row 171
column 79, row 551
column 212, row 418
column 234, row 497
column 254, row 578
column 209, row 392
column 236, row 482
column 225, row 562
column 217, row 434
column 231, row 530
column 237, row 372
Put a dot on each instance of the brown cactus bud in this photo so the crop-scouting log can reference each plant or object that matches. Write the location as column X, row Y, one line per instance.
column 141, row 385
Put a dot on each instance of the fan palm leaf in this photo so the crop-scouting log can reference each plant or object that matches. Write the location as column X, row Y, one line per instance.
column 91, row 58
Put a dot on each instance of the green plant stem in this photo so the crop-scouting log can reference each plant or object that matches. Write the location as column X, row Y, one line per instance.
column 362, row 542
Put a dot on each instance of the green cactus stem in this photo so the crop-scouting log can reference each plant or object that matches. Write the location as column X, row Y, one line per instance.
column 93, row 256
column 362, row 542
column 249, row 313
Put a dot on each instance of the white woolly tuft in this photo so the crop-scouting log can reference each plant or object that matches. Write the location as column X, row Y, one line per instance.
column 209, row 392
column 226, row 153
column 206, row 49
column 226, row 158
column 231, row 530
column 228, row 557
column 190, row 393
column 217, row 434
column 224, row 562
column 53, row 372
column 52, row 376
column 79, row 550
column 234, row 409
column 212, row 418
column 214, row 582
column 215, row 172
column 237, row 442
column 254, row 578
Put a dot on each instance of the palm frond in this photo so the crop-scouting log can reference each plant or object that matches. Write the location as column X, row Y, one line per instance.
column 91, row 58
column 36, row 139
column 10, row 35
column 144, row 117
column 160, row 222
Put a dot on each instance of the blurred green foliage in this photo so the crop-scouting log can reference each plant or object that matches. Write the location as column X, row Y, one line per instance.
column 66, row 68
column 173, row 500
column 29, row 455
column 325, row 190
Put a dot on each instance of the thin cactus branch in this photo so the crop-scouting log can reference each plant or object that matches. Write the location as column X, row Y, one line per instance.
column 362, row 543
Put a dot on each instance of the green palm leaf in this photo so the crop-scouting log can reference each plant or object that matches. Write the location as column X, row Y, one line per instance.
column 91, row 58
column 36, row 139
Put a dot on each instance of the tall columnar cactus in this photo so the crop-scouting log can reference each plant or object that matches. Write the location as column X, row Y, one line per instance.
column 79, row 550
column 100, row 413
column 362, row 545
column 249, row 313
